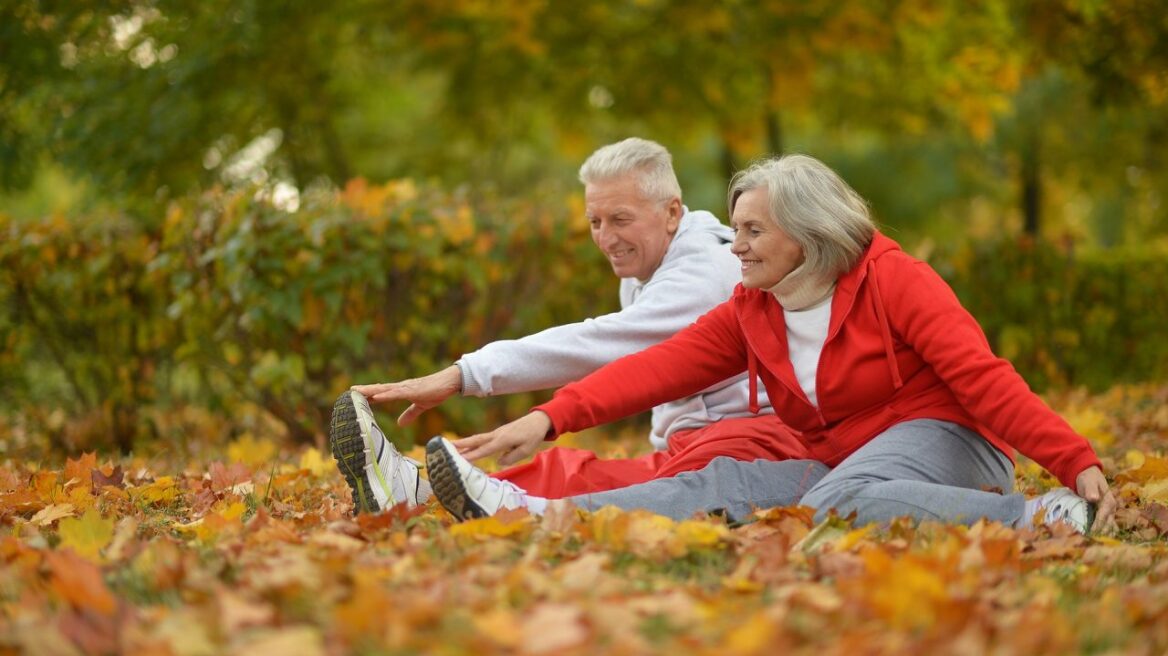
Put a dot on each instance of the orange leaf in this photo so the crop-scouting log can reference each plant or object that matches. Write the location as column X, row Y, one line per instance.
column 80, row 469
column 79, row 582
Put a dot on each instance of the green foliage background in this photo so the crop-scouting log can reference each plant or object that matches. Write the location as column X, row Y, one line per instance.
column 220, row 204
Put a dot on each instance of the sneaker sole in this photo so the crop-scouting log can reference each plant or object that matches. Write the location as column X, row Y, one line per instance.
column 347, row 443
column 447, row 484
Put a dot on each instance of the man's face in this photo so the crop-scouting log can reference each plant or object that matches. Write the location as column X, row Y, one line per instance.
column 632, row 231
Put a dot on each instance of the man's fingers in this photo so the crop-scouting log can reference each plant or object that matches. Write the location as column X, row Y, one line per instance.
column 396, row 392
column 411, row 413
column 370, row 390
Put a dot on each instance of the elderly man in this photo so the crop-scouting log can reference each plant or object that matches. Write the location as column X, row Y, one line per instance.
column 674, row 265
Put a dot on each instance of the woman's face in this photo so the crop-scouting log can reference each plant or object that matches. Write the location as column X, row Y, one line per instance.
column 767, row 253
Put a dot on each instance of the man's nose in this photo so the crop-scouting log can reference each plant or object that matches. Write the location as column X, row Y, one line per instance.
column 606, row 236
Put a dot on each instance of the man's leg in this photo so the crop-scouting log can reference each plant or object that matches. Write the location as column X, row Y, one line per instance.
column 926, row 469
column 725, row 484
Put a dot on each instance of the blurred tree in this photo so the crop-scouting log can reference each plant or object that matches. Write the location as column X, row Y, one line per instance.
column 153, row 98
column 686, row 68
column 152, row 94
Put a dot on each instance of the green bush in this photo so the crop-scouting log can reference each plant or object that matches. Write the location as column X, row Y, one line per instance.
column 373, row 284
column 232, row 301
column 79, row 335
column 1066, row 318
column 235, row 301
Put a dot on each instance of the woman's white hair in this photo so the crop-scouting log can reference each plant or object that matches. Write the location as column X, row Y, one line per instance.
column 648, row 159
column 811, row 203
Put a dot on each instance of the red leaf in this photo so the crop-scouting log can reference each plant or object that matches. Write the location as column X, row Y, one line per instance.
column 100, row 479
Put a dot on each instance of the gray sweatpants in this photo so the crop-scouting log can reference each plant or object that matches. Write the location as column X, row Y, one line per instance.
column 925, row 468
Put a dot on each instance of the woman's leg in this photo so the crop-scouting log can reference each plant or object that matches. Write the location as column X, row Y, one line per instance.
column 926, row 469
column 725, row 484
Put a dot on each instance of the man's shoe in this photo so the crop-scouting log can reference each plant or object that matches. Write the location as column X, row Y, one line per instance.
column 1063, row 505
column 379, row 476
column 465, row 490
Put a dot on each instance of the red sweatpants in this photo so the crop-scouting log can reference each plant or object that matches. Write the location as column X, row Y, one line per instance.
column 561, row 472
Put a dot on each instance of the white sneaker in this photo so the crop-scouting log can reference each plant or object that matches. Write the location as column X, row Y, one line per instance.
column 1063, row 505
column 377, row 473
column 465, row 490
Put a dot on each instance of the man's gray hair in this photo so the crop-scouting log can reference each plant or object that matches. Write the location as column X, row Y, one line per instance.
column 811, row 203
column 648, row 159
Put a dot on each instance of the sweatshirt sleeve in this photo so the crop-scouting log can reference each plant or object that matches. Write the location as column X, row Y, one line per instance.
column 926, row 313
column 710, row 350
column 695, row 277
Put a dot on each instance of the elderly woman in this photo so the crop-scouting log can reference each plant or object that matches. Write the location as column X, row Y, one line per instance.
column 862, row 349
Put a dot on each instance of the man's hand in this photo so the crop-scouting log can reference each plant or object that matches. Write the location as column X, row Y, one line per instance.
column 515, row 441
column 1092, row 486
column 422, row 393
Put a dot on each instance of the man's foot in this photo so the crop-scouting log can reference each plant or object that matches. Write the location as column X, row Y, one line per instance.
column 379, row 476
column 465, row 490
column 1063, row 505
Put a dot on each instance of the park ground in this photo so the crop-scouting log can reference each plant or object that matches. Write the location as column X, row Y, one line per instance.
column 251, row 547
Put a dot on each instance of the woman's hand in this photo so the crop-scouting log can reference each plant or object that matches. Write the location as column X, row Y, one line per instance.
column 515, row 441
column 1092, row 486
column 422, row 393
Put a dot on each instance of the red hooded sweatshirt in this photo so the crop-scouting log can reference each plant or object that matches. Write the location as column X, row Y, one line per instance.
column 899, row 347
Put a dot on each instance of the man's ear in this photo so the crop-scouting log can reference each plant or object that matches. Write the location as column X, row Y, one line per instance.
column 673, row 220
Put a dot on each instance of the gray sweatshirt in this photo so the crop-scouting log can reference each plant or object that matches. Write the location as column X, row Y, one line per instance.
column 697, row 273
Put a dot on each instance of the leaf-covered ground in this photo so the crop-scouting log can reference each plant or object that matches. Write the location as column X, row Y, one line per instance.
column 252, row 549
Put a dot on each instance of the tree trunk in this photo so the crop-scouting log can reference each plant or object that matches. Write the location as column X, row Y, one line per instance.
column 1031, row 189
column 729, row 168
column 774, row 131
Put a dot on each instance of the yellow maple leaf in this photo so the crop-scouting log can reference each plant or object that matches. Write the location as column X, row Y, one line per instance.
column 1155, row 491
column 1091, row 424
column 753, row 636
column 609, row 527
column 88, row 534
column 651, row 535
column 225, row 517
column 500, row 626
column 488, row 527
column 905, row 591
column 250, row 451
column 314, row 463
column 161, row 491
column 692, row 534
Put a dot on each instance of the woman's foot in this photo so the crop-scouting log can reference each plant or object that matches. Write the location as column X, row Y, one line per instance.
column 465, row 490
column 1062, row 505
